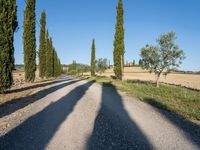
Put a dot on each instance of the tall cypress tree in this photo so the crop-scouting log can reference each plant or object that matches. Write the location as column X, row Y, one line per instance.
column 42, row 47
column 56, row 65
column 8, row 25
column 29, row 41
column 51, row 58
column 13, row 26
column 119, row 41
column 54, row 61
column 93, row 59
column 48, row 56
column 60, row 67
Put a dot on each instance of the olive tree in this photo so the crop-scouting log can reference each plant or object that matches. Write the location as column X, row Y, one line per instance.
column 164, row 57
column 102, row 65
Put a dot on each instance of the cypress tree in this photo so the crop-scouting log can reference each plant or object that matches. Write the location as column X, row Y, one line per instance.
column 8, row 25
column 13, row 27
column 48, row 56
column 93, row 59
column 29, row 41
column 59, row 67
column 42, row 47
column 51, row 58
column 119, row 41
column 56, row 64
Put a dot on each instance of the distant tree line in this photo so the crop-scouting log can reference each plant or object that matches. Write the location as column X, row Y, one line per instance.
column 77, row 68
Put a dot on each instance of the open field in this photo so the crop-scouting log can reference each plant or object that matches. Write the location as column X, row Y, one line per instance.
column 137, row 73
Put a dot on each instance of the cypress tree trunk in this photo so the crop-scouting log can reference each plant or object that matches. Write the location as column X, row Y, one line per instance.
column 8, row 25
column 29, row 41
column 119, row 41
column 93, row 59
column 42, row 48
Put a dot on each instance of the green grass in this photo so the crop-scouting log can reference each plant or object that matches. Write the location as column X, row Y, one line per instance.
column 182, row 101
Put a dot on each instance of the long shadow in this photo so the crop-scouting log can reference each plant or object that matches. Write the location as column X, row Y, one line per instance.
column 190, row 129
column 34, row 86
column 113, row 128
column 12, row 106
column 36, row 132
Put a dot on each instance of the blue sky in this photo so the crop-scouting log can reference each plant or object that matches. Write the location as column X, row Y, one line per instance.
column 73, row 23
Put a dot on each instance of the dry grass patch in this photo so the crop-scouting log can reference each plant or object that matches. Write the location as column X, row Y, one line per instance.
column 137, row 73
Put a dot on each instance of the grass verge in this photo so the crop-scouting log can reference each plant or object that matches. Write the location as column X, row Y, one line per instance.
column 182, row 101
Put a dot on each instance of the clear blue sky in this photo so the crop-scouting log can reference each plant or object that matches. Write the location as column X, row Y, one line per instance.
column 73, row 24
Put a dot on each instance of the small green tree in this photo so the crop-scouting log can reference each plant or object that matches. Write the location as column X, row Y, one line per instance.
column 42, row 47
column 102, row 65
column 119, row 48
column 93, row 59
column 164, row 57
column 29, row 41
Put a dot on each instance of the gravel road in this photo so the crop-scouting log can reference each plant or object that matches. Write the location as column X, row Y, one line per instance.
column 78, row 115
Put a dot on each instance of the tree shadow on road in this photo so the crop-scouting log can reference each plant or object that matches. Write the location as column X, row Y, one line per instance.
column 113, row 128
column 190, row 129
column 15, row 104
column 34, row 86
column 36, row 132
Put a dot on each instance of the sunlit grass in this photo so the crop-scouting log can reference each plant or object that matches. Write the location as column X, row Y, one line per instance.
column 180, row 100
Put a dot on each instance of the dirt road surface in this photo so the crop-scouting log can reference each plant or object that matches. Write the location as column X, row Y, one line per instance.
column 78, row 115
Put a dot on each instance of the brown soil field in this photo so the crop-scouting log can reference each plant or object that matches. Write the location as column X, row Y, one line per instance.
column 19, row 77
column 137, row 73
column 19, row 83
